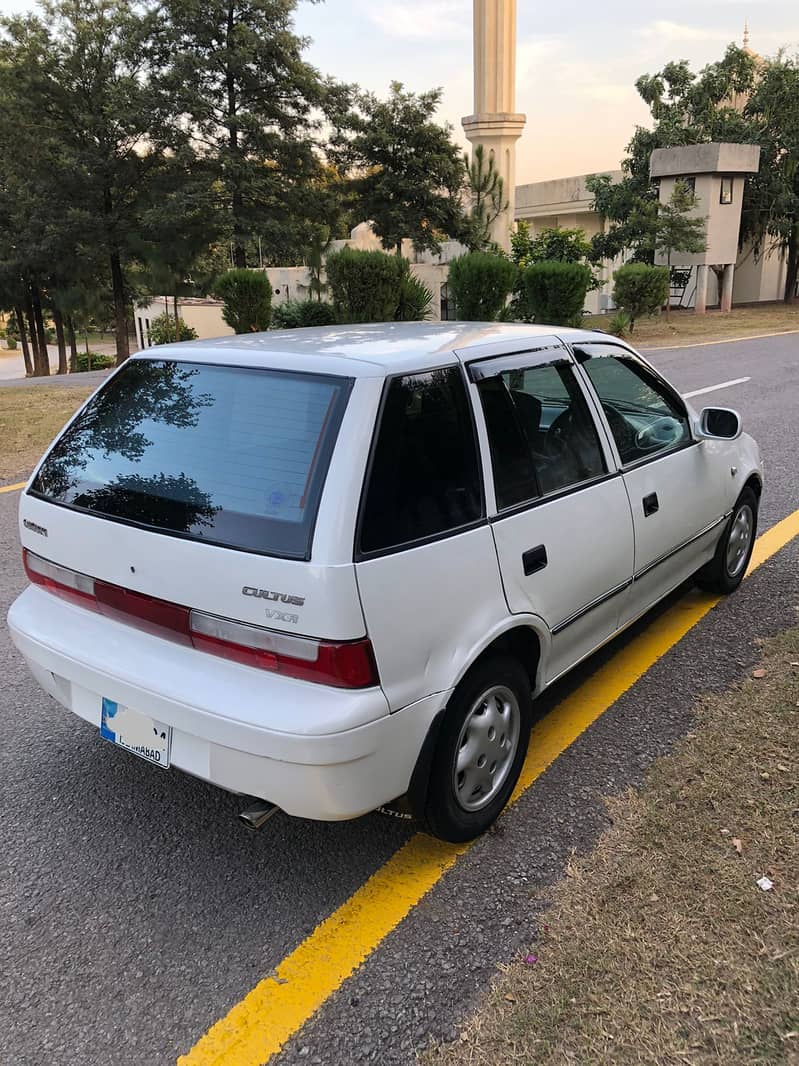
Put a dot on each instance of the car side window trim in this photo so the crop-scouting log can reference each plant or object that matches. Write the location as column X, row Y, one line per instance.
column 551, row 497
column 493, row 366
column 377, row 553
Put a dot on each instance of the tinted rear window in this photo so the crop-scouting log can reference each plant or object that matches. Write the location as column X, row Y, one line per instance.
column 230, row 455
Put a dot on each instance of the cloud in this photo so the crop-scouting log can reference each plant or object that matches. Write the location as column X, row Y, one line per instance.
column 421, row 19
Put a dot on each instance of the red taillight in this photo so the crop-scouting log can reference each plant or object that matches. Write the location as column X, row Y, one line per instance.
column 349, row 664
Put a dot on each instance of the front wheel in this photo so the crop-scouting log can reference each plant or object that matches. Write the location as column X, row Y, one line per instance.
column 480, row 750
column 725, row 572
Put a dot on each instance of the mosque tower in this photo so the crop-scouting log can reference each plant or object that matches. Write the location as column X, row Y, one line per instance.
column 495, row 123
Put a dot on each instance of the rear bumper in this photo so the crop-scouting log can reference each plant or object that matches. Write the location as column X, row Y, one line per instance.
column 315, row 751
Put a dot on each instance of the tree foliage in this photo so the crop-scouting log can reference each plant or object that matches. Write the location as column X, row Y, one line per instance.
column 365, row 285
column 487, row 200
column 408, row 173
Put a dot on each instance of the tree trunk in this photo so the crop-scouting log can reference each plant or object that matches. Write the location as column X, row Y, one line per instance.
column 236, row 198
column 58, row 321
column 73, row 344
column 43, row 368
column 32, row 331
column 792, row 272
column 177, row 327
column 120, row 308
column 668, row 291
column 23, row 340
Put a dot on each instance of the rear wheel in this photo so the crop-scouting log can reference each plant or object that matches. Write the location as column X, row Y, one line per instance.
column 725, row 572
column 480, row 750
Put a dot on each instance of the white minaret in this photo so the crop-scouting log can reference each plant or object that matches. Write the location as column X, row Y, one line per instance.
column 495, row 123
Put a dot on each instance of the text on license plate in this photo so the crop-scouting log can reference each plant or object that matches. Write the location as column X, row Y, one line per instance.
column 136, row 732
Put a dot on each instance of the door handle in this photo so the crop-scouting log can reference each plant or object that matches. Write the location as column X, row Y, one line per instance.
column 651, row 504
column 534, row 559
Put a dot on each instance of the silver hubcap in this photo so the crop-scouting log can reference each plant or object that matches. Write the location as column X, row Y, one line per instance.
column 739, row 540
column 486, row 747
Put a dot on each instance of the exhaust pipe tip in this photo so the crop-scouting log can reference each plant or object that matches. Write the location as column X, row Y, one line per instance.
column 258, row 814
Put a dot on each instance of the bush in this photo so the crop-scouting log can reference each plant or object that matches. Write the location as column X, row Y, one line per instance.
column 162, row 330
column 365, row 285
column 480, row 283
column 295, row 314
column 93, row 361
column 415, row 298
column 640, row 289
column 554, row 292
column 247, row 296
column 620, row 325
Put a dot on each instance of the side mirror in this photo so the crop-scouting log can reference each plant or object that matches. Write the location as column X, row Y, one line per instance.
column 719, row 423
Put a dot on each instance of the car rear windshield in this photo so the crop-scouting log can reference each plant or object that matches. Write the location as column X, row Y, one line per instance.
column 229, row 455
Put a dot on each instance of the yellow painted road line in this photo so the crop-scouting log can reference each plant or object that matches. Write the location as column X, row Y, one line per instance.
column 13, row 488
column 261, row 1023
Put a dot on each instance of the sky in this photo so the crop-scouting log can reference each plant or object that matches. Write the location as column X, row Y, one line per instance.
column 577, row 62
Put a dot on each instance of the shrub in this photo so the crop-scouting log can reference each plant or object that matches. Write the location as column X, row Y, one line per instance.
column 162, row 330
column 415, row 298
column 93, row 361
column 620, row 325
column 247, row 296
column 640, row 289
column 365, row 285
column 294, row 314
column 554, row 292
column 480, row 283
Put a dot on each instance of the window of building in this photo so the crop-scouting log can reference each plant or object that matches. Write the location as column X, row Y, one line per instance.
column 690, row 181
column 644, row 417
column 541, row 434
column 448, row 312
column 424, row 479
column 725, row 195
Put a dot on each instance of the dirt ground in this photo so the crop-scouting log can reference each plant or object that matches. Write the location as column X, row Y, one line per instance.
column 677, row 939
column 684, row 327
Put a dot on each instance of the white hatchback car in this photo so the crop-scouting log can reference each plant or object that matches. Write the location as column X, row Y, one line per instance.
column 328, row 568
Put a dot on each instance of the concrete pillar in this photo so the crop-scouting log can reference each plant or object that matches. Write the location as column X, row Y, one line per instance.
column 700, row 300
column 726, row 287
column 495, row 123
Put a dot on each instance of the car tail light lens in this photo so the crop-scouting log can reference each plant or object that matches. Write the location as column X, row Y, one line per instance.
column 347, row 664
column 69, row 584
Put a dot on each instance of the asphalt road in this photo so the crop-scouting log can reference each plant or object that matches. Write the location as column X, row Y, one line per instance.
column 136, row 911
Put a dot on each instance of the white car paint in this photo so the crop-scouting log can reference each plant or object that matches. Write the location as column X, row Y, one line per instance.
column 429, row 610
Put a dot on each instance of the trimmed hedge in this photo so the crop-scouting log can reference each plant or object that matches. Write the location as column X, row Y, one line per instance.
column 247, row 296
column 93, row 361
column 640, row 289
column 554, row 292
column 296, row 314
column 480, row 283
column 365, row 285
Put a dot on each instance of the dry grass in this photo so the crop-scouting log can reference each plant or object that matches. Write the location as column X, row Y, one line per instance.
column 685, row 327
column 660, row 947
column 29, row 419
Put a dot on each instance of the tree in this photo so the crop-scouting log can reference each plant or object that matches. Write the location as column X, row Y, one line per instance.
column 555, row 292
column 247, row 296
column 771, row 197
column 676, row 230
column 486, row 192
column 237, row 74
column 640, row 289
column 85, row 96
column 408, row 172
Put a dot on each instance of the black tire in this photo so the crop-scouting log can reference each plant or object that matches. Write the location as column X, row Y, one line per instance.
column 444, row 815
column 718, row 576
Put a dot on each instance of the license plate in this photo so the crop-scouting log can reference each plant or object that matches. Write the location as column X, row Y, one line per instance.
column 136, row 732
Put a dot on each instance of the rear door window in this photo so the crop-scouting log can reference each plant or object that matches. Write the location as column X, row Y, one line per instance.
column 424, row 479
column 230, row 455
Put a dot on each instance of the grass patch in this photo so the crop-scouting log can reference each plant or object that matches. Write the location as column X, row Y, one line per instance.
column 659, row 946
column 29, row 419
column 684, row 327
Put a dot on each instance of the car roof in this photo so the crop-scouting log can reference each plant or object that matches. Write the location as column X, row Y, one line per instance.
column 369, row 350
